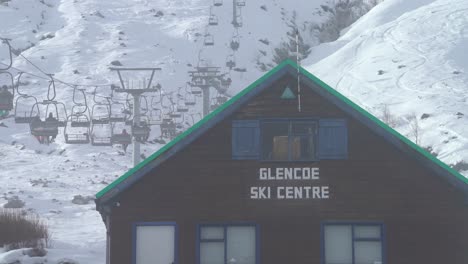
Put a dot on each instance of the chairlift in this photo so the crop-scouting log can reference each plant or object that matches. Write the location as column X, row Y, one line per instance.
column 141, row 132
column 48, row 126
column 77, row 132
column 100, row 112
column 168, row 128
column 122, row 137
column 101, row 134
column 155, row 116
column 238, row 19
column 8, row 65
column 240, row 2
column 175, row 115
column 235, row 43
column 209, row 40
column 118, row 113
column 22, row 114
column 213, row 20
column 230, row 62
column 7, row 93
column 217, row 2
column 79, row 116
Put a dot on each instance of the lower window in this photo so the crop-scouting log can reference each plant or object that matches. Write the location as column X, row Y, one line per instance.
column 227, row 244
column 155, row 243
column 353, row 243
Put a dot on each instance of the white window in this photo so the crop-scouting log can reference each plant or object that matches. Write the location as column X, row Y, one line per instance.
column 155, row 243
column 353, row 243
column 227, row 244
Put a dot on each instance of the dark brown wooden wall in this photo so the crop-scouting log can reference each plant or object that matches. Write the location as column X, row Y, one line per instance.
column 425, row 217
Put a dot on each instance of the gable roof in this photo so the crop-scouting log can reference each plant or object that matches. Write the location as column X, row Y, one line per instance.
column 287, row 67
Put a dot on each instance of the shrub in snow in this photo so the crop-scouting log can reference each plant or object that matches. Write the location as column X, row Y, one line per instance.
column 78, row 199
column 19, row 230
column 67, row 261
column 14, row 202
column 116, row 63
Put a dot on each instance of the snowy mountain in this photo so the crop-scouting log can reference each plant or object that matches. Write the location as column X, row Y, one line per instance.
column 406, row 63
column 403, row 56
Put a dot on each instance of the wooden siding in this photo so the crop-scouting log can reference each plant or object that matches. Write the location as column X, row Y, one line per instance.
column 426, row 218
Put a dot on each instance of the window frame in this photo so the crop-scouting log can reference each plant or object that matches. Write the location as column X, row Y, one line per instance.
column 382, row 238
column 225, row 226
column 315, row 121
column 135, row 225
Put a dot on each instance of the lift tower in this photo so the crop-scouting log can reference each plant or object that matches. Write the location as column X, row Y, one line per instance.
column 136, row 93
column 204, row 78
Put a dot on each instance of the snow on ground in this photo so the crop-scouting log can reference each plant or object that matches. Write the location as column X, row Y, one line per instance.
column 417, row 45
column 411, row 58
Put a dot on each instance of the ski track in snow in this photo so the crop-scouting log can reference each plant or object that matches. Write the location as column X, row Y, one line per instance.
column 414, row 56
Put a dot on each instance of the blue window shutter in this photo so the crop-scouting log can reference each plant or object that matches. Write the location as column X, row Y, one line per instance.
column 245, row 139
column 333, row 139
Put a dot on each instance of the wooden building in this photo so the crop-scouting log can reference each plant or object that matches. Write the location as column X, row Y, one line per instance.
column 260, row 181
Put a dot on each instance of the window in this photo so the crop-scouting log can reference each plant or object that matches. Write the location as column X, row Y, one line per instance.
column 227, row 244
column 288, row 140
column 154, row 243
column 245, row 139
column 353, row 243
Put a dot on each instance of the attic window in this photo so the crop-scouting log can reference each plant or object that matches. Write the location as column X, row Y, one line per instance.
column 289, row 140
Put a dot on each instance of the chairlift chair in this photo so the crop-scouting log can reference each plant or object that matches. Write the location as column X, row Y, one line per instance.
column 209, row 40
column 80, row 135
column 48, row 127
column 230, row 62
column 168, row 128
column 213, row 20
column 235, row 43
column 141, row 133
column 121, row 138
column 240, row 2
column 196, row 92
column 116, row 114
column 100, row 114
column 98, row 139
column 217, row 2
column 7, row 93
column 24, row 118
column 79, row 118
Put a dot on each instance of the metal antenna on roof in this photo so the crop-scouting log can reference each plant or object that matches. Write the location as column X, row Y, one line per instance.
column 298, row 72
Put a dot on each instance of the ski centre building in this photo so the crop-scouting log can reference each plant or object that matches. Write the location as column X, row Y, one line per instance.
column 260, row 181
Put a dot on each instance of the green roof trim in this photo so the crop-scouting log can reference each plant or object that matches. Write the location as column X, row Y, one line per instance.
column 288, row 94
column 191, row 129
column 250, row 88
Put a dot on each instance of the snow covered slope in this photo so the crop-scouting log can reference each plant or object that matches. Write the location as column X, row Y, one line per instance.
column 406, row 62
column 408, row 55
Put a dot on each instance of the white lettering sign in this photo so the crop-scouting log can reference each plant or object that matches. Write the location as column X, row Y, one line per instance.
column 285, row 192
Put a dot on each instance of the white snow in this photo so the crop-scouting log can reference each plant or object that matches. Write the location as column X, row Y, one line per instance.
column 418, row 45
column 419, row 50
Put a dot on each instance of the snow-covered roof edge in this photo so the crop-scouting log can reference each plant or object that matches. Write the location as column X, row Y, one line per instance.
column 287, row 66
